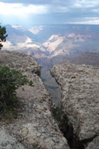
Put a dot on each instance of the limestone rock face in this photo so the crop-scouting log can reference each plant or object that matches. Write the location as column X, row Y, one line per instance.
column 80, row 97
column 20, row 61
column 34, row 126
column 9, row 142
column 94, row 144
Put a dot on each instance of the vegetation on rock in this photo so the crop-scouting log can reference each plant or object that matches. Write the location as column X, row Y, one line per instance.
column 3, row 35
column 10, row 80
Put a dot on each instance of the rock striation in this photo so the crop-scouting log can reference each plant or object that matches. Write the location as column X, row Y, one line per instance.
column 80, row 98
column 34, row 126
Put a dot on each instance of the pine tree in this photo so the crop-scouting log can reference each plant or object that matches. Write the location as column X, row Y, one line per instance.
column 3, row 35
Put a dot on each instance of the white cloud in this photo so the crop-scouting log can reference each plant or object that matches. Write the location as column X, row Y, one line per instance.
column 17, row 9
column 92, row 20
column 86, row 3
column 86, row 20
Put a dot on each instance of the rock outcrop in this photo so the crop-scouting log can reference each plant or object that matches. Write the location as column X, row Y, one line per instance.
column 34, row 126
column 20, row 61
column 94, row 144
column 80, row 98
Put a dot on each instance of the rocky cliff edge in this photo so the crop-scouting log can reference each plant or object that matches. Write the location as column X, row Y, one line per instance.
column 80, row 99
column 34, row 126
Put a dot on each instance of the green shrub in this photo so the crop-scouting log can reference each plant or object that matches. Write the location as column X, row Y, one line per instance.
column 10, row 80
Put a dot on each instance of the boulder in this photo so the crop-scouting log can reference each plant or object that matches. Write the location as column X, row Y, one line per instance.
column 34, row 126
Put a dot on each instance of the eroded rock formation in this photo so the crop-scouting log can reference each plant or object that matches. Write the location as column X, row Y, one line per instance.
column 34, row 126
column 94, row 144
column 80, row 99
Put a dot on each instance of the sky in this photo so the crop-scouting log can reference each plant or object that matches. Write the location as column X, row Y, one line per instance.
column 34, row 12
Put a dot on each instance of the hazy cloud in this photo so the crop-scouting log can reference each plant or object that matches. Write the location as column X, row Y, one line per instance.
column 59, row 11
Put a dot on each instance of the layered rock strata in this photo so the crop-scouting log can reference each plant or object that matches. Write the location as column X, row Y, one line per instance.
column 34, row 126
column 80, row 98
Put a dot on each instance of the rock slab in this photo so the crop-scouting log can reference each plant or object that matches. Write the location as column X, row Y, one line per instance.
column 80, row 97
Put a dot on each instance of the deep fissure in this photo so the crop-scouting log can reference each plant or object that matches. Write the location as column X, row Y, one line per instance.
column 62, row 120
column 66, row 128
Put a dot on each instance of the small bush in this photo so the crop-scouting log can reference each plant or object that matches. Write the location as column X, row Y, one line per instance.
column 10, row 80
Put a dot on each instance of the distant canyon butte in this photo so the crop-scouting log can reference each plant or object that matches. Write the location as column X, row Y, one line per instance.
column 52, row 44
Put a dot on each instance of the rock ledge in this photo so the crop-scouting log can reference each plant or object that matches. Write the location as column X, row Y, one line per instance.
column 34, row 126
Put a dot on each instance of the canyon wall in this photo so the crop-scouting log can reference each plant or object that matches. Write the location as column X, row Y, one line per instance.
column 80, row 100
